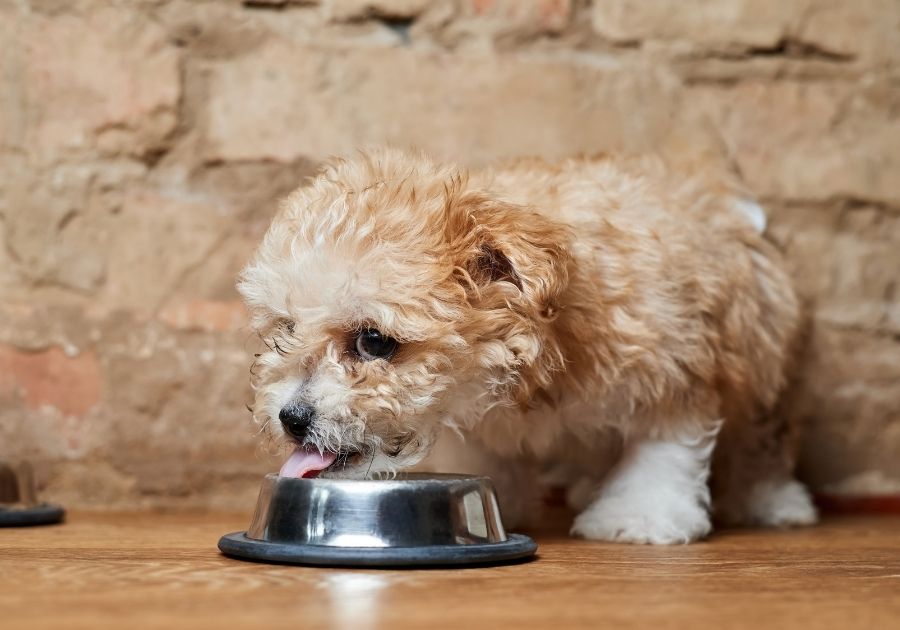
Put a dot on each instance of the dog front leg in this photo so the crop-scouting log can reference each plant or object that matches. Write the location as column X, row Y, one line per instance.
column 657, row 493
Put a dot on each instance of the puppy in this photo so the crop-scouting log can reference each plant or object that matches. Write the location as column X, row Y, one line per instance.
column 534, row 309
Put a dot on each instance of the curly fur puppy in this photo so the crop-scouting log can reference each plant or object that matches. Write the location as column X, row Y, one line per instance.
column 534, row 309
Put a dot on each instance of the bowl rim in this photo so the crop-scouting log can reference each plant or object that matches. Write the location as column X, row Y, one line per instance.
column 517, row 547
column 398, row 480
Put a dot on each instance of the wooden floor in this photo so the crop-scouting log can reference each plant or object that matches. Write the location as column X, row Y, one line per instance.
column 154, row 570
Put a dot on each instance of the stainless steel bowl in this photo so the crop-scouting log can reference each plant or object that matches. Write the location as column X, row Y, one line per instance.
column 411, row 519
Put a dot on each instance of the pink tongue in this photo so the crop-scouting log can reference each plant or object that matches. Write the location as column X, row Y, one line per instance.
column 306, row 461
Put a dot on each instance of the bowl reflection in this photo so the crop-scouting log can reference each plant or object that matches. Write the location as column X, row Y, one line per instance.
column 406, row 511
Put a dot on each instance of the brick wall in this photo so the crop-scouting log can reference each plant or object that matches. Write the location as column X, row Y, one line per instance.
column 142, row 144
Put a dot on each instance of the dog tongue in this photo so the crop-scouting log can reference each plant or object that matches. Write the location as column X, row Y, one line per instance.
column 306, row 461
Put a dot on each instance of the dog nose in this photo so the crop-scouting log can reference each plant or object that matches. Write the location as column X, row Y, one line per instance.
column 296, row 420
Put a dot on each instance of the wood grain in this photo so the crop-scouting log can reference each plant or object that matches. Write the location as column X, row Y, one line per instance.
column 163, row 571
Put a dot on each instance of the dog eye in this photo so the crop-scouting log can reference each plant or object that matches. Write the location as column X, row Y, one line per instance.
column 371, row 345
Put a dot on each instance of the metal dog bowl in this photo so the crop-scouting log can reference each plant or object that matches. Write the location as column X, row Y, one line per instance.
column 413, row 519
column 18, row 499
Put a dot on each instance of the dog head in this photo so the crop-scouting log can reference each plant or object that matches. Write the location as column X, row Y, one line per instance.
column 395, row 296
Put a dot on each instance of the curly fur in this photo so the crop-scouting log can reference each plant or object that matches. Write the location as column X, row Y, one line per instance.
column 538, row 306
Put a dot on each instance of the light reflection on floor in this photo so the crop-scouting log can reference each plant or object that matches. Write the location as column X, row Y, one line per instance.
column 354, row 598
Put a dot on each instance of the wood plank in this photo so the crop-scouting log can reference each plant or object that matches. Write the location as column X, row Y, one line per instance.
column 103, row 570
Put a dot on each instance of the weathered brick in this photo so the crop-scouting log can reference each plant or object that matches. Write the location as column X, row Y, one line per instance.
column 128, row 204
column 43, row 213
column 362, row 9
column 10, row 108
column 470, row 108
column 867, row 29
column 108, row 81
column 57, row 221
column 811, row 141
column 752, row 23
column 484, row 23
column 33, row 320
column 205, row 315
column 187, row 407
column 9, row 276
column 850, row 404
column 50, row 378
column 160, row 238
column 846, row 262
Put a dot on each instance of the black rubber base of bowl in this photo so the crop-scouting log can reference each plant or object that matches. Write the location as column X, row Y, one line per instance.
column 516, row 547
column 37, row 515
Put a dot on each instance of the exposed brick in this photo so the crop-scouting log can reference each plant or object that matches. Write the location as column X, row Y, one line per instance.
column 850, row 402
column 58, row 223
column 509, row 20
column 160, row 238
column 205, row 315
column 8, row 275
column 846, row 262
column 108, row 81
column 143, row 146
column 811, row 141
column 33, row 321
column 868, row 29
column 10, row 109
column 470, row 108
column 757, row 23
column 188, row 429
column 70, row 384
column 361, row 9
column 278, row 3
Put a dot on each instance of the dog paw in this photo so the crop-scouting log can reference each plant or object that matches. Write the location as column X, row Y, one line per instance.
column 617, row 520
column 782, row 503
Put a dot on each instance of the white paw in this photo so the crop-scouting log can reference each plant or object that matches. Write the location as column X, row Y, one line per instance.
column 781, row 503
column 619, row 520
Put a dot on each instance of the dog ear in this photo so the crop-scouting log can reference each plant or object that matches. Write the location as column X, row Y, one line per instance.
column 519, row 246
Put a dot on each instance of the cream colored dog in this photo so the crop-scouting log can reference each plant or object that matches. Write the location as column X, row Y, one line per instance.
column 535, row 310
